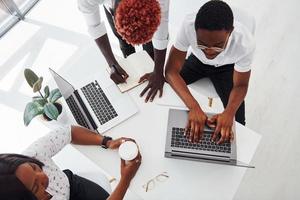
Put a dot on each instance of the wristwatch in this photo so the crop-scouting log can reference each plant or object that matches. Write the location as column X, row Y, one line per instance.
column 104, row 142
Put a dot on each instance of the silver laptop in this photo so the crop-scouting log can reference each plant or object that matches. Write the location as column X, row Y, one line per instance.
column 95, row 107
column 178, row 146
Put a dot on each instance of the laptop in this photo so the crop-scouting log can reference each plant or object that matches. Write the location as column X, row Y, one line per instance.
column 178, row 146
column 95, row 107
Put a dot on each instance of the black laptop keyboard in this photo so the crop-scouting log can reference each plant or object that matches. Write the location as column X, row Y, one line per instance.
column 181, row 141
column 76, row 112
column 100, row 104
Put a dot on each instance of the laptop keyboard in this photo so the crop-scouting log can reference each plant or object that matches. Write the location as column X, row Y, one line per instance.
column 100, row 104
column 179, row 140
column 76, row 112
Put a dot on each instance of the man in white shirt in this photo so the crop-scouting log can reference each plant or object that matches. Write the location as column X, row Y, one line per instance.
column 141, row 17
column 222, row 49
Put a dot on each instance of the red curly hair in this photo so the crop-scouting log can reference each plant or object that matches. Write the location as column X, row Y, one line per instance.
column 137, row 20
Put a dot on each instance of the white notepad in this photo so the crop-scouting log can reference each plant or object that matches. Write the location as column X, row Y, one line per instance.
column 135, row 65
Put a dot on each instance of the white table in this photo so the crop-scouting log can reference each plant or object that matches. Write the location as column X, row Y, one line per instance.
column 188, row 179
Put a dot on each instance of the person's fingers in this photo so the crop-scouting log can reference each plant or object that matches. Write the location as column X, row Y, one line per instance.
column 222, row 138
column 137, row 161
column 231, row 136
column 139, row 156
column 144, row 78
column 160, row 92
column 187, row 128
column 196, row 134
column 145, row 90
column 216, row 132
column 149, row 94
column 201, row 130
column 227, row 135
column 211, row 122
column 192, row 131
column 153, row 94
column 124, row 139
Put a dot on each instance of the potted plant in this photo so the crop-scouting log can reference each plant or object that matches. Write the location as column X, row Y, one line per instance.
column 45, row 104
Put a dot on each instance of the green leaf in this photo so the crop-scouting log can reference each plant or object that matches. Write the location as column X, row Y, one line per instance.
column 51, row 111
column 41, row 101
column 54, row 95
column 37, row 85
column 46, row 90
column 30, row 77
column 32, row 109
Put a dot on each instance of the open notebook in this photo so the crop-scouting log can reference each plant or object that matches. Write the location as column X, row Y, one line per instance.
column 136, row 65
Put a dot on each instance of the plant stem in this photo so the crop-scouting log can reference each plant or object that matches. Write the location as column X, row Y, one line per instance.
column 41, row 95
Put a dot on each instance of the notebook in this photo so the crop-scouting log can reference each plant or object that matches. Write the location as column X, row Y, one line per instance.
column 135, row 65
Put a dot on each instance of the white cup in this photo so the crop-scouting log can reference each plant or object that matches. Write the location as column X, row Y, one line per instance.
column 128, row 150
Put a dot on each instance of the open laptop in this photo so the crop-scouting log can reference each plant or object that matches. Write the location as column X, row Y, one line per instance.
column 95, row 107
column 178, row 146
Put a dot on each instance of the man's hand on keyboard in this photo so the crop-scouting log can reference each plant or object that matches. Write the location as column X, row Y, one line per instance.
column 195, row 125
column 223, row 123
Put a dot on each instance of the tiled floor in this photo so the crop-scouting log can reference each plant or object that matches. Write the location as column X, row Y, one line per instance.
column 54, row 34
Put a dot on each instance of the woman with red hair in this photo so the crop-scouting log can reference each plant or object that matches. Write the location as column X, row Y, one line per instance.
column 134, row 22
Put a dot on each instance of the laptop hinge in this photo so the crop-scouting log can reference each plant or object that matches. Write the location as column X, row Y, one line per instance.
column 85, row 110
column 203, row 155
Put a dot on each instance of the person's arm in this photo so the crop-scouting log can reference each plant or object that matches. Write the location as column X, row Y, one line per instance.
column 120, row 190
column 97, row 30
column 156, row 78
column 238, row 92
column 84, row 136
column 224, row 121
column 197, row 118
column 118, row 74
column 49, row 145
column 128, row 171
column 173, row 67
column 160, row 42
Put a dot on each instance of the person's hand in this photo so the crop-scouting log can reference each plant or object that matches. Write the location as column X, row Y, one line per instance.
column 118, row 74
column 155, row 84
column 115, row 144
column 129, row 168
column 195, row 126
column 223, row 125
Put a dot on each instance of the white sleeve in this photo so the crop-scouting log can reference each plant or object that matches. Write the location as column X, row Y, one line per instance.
column 244, row 64
column 182, row 42
column 48, row 146
column 91, row 14
column 161, row 36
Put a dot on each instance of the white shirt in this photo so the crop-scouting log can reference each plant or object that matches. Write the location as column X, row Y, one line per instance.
column 44, row 149
column 96, row 27
column 239, row 49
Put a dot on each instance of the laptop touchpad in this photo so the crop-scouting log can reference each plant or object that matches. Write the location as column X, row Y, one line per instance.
column 113, row 92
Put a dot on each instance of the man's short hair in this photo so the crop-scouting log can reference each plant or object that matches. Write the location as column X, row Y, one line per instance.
column 214, row 15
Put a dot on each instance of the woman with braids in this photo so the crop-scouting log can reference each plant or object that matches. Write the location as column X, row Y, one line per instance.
column 34, row 175
column 133, row 22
